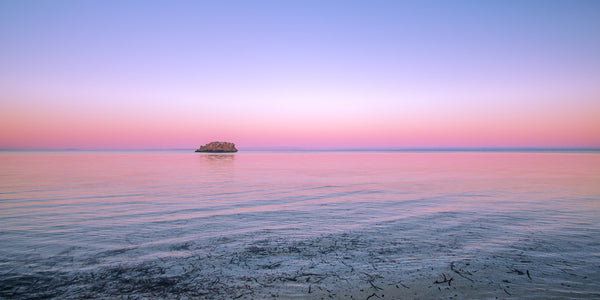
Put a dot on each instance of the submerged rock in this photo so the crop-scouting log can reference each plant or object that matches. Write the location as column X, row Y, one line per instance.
column 217, row 147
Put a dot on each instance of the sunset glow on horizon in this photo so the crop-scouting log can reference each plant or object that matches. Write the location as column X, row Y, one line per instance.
column 299, row 74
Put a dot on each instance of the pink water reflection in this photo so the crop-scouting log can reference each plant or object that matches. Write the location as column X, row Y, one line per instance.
column 142, row 185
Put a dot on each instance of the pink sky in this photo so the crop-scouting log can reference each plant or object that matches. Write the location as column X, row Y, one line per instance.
column 294, row 76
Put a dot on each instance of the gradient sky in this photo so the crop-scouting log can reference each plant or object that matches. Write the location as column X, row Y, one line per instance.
column 299, row 74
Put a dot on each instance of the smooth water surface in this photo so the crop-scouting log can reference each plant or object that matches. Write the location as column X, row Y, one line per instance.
column 67, row 218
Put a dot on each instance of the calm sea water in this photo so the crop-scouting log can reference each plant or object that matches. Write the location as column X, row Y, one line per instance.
column 167, row 223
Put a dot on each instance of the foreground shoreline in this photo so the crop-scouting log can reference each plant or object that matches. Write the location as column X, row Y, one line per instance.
column 351, row 265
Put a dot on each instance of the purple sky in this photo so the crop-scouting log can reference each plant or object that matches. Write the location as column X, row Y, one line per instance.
column 307, row 74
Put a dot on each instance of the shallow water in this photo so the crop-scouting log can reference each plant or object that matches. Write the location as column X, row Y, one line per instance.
column 299, row 224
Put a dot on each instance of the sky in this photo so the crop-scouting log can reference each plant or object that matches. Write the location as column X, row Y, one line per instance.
column 299, row 74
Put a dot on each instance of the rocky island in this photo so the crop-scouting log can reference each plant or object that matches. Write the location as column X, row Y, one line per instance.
column 219, row 147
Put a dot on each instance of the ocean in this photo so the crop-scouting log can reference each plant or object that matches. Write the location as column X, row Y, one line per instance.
column 299, row 224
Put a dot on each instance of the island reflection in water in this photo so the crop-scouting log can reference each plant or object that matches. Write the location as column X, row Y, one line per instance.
column 218, row 157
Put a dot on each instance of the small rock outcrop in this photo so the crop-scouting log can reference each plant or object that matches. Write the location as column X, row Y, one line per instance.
column 217, row 147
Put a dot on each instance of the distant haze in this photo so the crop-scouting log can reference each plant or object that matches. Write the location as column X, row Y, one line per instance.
column 299, row 74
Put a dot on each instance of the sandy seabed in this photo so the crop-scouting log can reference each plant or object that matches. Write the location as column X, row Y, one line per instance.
column 375, row 264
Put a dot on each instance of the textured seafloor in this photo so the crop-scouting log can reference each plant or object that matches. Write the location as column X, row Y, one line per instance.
column 391, row 260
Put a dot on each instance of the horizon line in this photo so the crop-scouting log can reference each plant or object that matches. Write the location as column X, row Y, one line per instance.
column 416, row 149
